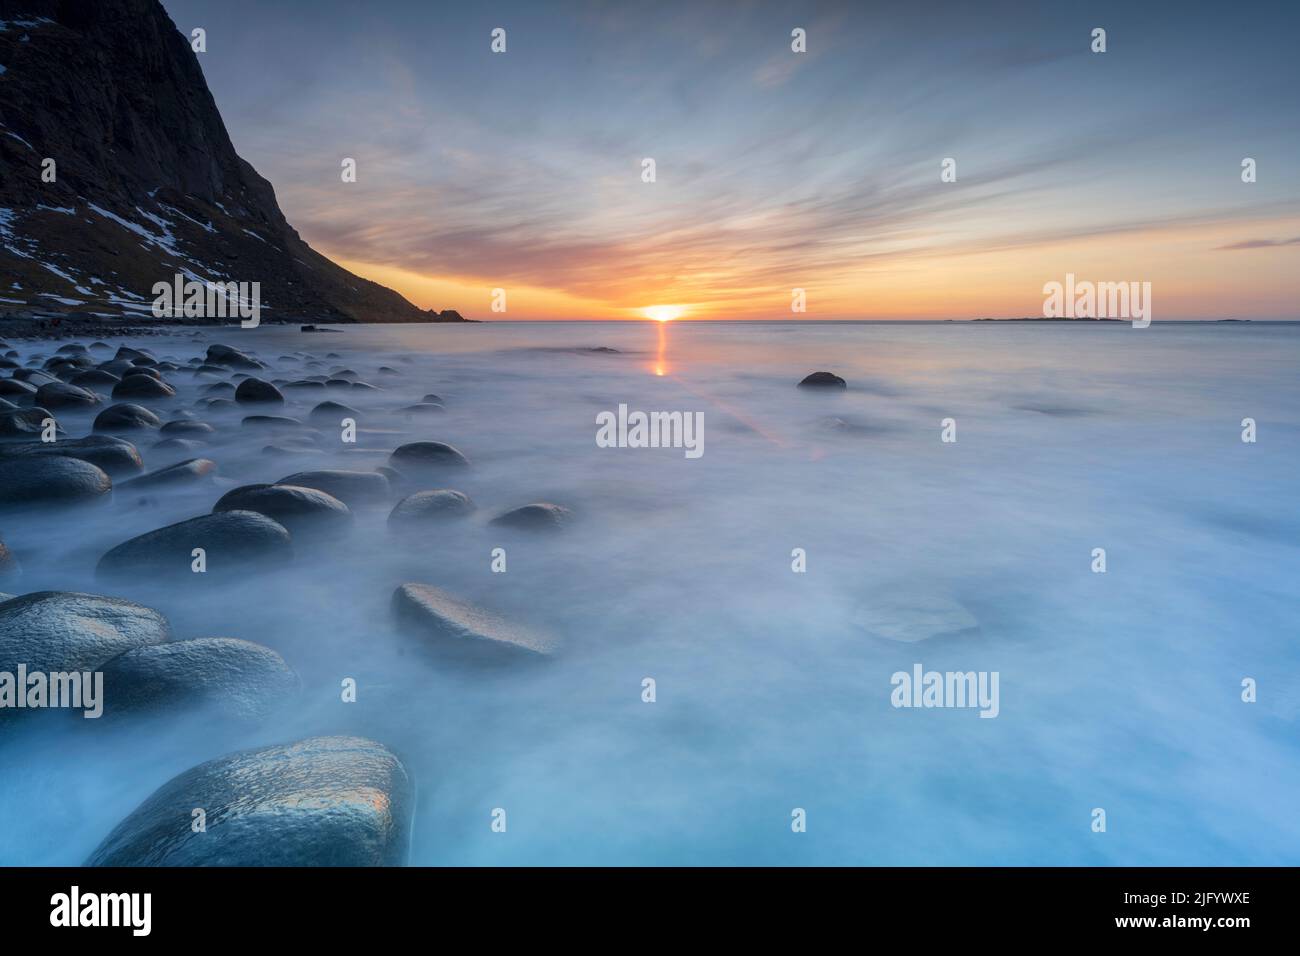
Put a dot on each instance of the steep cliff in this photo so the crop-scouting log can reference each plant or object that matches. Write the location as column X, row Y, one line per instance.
column 146, row 182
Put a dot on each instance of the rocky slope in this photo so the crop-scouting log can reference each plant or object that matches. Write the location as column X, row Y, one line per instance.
column 147, row 183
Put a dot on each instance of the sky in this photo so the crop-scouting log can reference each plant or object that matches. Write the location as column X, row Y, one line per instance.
column 776, row 170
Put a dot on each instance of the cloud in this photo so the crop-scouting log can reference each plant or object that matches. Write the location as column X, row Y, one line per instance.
column 1260, row 244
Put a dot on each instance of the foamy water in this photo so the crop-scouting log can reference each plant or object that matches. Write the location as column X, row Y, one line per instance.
column 1118, row 690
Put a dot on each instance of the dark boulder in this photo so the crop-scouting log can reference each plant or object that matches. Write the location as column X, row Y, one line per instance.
column 304, row 511
column 539, row 516
column 125, row 417
column 463, row 632
column 416, row 511
column 324, row 801
column 50, row 480
column 823, row 380
column 233, row 542
column 234, row 678
column 255, row 391
column 67, row 631
column 425, row 455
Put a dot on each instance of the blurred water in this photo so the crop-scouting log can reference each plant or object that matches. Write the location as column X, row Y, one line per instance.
column 1118, row 690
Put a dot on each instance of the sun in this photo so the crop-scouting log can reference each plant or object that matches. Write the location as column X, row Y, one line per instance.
column 662, row 313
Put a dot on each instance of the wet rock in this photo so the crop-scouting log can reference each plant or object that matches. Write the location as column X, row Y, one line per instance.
column 9, row 566
column 233, row 541
column 823, row 380
column 50, row 480
column 63, row 395
column 95, row 377
column 126, row 417
column 431, row 399
column 538, row 516
column 255, row 391
column 12, row 387
column 67, row 631
column 181, row 473
column 324, row 801
column 137, row 385
column 271, row 421
column 909, row 618
column 35, row 377
column 421, row 409
column 304, row 511
column 23, row 422
column 353, row 488
column 114, row 455
column 232, row 358
column 331, row 413
column 182, row 428
column 415, row 511
column 179, row 446
column 464, row 632
column 424, row 455
column 234, row 678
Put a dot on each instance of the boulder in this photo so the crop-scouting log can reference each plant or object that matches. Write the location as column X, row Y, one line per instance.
column 181, row 473
column 416, row 511
column 255, row 391
column 324, row 801
column 63, row 395
column 125, row 417
column 425, row 455
column 353, row 488
column 67, row 631
column 304, row 511
column 114, row 455
column 233, row 541
column 538, row 516
column 908, row 618
column 137, row 385
column 23, row 422
column 50, row 480
column 234, row 678
column 463, row 632
column 823, row 380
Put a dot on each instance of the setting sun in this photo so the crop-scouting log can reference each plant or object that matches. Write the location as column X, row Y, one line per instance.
column 662, row 313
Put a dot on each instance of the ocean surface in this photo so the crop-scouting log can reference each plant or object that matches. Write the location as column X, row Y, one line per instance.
column 1119, row 690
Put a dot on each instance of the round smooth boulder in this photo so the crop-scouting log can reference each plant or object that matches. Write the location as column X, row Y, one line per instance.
column 63, row 395
column 909, row 618
column 823, row 380
column 233, row 542
column 114, row 455
column 125, row 417
column 538, row 516
column 50, row 480
column 255, row 391
column 234, row 678
column 332, row 413
column 67, row 631
column 323, row 801
column 181, row 473
column 353, row 488
column 24, row 422
column 424, row 455
column 304, row 511
column 466, row 633
column 417, row 510
column 139, row 385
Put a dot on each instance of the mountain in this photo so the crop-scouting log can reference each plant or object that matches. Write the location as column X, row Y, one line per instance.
column 146, row 181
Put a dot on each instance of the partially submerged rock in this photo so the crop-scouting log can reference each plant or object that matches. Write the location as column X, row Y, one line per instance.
column 538, row 516
column 52, row 631
column 235, row 678
column 50, row 480
column 909, row 618
column 324, row 801
column 465, row 632
column 232, row 542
